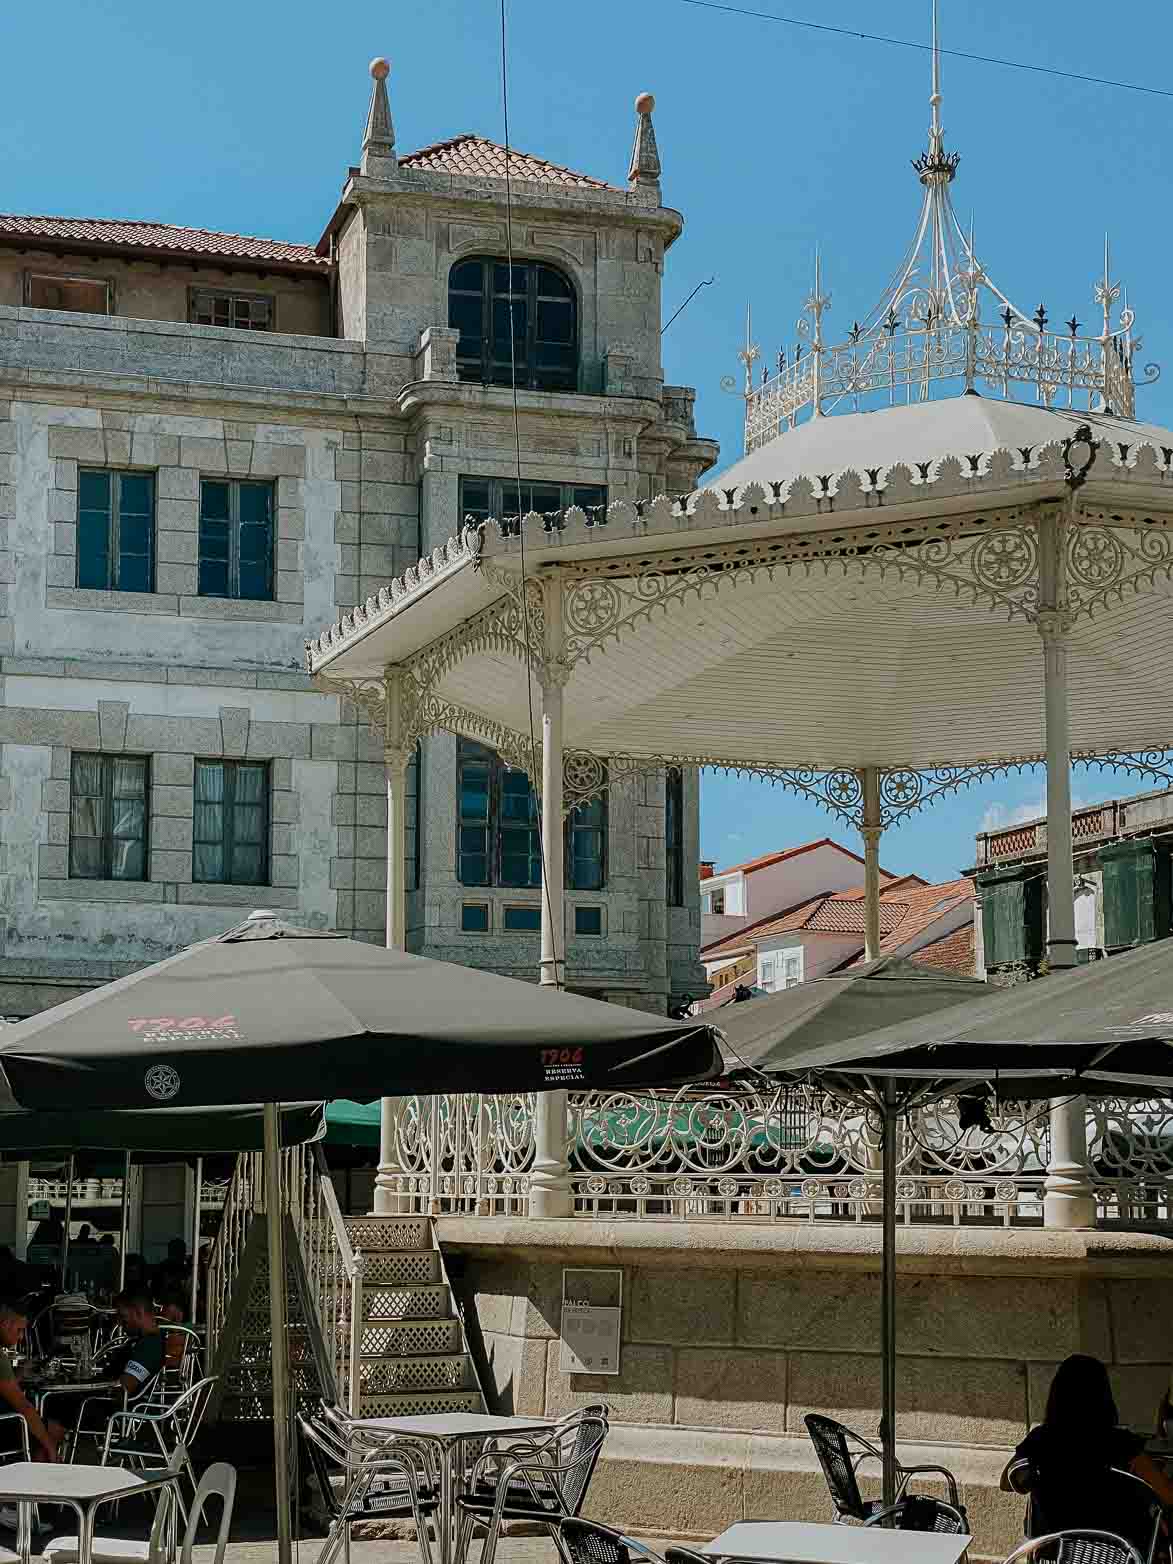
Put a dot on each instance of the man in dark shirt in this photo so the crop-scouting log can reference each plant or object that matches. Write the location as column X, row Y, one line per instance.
column 135, row 1363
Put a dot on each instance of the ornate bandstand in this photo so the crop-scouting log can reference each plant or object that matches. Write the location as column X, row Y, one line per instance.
column 945, row 555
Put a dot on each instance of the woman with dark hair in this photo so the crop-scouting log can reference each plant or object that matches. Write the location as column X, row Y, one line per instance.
column 1066, row 1463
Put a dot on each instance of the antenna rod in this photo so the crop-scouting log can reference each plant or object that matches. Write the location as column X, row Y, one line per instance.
column 935, row 98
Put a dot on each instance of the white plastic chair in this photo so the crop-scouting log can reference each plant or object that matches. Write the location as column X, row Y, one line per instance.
column 218, row 1481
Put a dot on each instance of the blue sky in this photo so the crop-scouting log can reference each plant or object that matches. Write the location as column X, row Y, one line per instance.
column 245, row 117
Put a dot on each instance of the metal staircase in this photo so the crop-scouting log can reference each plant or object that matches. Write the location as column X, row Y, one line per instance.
column 413, row 1356
column 373, row 1321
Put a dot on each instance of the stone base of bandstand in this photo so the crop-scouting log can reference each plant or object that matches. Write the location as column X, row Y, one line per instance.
column 731, row 1334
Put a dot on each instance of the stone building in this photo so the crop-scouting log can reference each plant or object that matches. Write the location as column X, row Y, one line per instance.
column 210, row 448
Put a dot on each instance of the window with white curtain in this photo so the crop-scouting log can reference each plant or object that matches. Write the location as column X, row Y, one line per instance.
column 108, row 817
column 230, row 833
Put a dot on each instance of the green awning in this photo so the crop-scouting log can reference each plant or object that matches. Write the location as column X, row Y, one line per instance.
column 352, row 1123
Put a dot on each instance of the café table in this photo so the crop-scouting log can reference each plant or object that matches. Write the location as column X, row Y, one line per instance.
column 802, row 1542
column 449, row 1431
column 82, row 1488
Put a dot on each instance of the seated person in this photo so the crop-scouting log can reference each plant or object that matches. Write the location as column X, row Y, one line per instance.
column 173, row 1311
column 42, row 1442
column 1071, row 1455
column 135, row 1363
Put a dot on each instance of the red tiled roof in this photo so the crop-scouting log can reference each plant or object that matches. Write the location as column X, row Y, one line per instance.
column 956, row 953
column 158, row 238
column 484, row 159
column 920, row 909
column 765, row 861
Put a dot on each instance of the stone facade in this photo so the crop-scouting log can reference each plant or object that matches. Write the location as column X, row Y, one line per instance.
column 730, row 1336
column 353, row 411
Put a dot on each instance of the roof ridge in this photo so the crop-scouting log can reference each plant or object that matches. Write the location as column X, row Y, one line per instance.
column 451, row 142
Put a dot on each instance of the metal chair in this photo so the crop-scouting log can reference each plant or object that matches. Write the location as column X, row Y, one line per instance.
column 917, row 1512
column 586, row 1542
column 1125, row 1501
column 219, row 1481
column 139, row 1435
column 679, row 1555
column 545, row 1482
column 1076, row 1547
column 374, row 1486
column 834, row 1444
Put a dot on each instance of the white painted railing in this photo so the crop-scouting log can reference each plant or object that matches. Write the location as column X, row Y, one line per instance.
column 333, row 1269
column 771, row 1156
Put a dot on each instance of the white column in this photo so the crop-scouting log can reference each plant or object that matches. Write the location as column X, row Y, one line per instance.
column 550, row 1194
column 1068, row 1199
column 396, row 759
column 871, row 831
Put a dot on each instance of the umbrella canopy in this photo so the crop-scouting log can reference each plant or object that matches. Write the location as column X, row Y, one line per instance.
column 769, row 1032
column 182, row 1131
column 270, row 1011
column 1106, row 1028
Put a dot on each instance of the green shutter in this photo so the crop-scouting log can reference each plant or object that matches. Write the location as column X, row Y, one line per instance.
column 1136, row 892
column 1012, row 915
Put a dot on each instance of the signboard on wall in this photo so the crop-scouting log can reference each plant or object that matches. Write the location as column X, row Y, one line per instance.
column 592, row 1311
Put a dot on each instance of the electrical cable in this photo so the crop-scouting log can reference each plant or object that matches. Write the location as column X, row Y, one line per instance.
column 908, row 43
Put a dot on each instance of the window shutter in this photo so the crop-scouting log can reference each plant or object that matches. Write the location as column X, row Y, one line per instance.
column 1012, row 915
column 1136, row 892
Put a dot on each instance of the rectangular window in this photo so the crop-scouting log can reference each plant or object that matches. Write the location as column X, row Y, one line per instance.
column 501, row 498
column 247, row 311
column 474, row 825
column 497, row 835
column 474, row 917
column 230, row 835
column 520, row 837
column 236, row 539
column 90, row 295
column 588, row 920
column 522, row 920
column 674, row 836
column 115, row 530
column 586, row 845
column 108, row 817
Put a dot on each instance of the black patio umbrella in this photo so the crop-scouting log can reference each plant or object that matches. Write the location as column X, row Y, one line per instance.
column 272, row 1011
column 269, row 1007
column 1105, row 1029
column 175, row 1131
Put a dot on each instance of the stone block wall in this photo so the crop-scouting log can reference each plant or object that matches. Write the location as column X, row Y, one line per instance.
column 731, row 1336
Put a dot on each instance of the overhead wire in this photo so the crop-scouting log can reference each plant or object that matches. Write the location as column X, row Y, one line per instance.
column 910, row 43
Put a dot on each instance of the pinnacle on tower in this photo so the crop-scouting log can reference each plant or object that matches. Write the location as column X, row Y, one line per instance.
column 644, row 169
column 378, row 142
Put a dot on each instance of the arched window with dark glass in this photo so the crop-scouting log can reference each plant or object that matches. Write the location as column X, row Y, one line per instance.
column 483, row 293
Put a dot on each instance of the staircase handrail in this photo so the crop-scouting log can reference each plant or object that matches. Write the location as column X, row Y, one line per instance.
column 333, row 1266
column 242, row 1200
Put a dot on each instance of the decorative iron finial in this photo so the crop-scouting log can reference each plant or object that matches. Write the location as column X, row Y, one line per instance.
column 935, row 166
column 644, row 168
column 378, row 142
column 1107, row 291
column 749, row 353
column 1040, row 317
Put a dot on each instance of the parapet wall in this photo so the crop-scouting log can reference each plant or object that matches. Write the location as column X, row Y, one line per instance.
column 731, row 1335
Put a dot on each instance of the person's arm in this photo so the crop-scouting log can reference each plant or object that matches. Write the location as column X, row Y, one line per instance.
column 1156, row 1477
column 14, row 1397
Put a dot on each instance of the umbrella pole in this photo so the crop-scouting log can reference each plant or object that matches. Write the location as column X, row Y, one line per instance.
column 888, row 1295
column 124, row 1226
column 275, row 1228
column 195, row 1238
column 68, row 1219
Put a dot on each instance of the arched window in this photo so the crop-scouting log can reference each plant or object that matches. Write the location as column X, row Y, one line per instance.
column 544, row 339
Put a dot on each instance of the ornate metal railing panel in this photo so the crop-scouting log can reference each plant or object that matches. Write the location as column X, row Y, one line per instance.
column 754, row 1156
column 1064, row 370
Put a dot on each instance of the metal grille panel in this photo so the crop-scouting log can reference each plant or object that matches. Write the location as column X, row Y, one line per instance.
column 407, row 1303
column 413, row 1336
column 399, row 1376
column 388, row 1232
column 397, row 1266
column 418, row 1404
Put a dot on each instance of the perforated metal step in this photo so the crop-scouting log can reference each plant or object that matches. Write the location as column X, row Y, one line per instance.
column 416, row 1301
column 393, row 1267
column 388, row 1232
column 406, row 1338
column 417, row 1403
column 411, row 1375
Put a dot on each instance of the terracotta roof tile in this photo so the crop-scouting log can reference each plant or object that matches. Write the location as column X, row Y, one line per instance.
column 920, row 908
column 956, row 953
column 478, row 157
column 117, row 233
